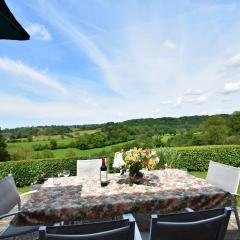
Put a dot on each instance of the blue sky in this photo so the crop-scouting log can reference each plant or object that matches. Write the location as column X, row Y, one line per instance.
column 96, row 61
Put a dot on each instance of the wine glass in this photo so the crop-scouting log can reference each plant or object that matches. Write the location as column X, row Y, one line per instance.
column 66, row 173
column 56, row 182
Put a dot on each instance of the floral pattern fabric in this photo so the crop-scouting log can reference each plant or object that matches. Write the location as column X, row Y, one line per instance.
column 76, row 198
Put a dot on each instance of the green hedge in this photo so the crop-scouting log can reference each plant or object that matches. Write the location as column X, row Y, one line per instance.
column 27, row 172
column 197, row 158
column 192, row 158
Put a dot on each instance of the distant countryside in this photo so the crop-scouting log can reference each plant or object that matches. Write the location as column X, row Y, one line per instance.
column 48, row 142
column 33, row 154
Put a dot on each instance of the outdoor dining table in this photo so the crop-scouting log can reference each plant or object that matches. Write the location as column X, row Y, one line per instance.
column 162, row 191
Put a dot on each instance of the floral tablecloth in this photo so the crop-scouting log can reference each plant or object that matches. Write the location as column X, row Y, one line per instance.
column 76, row 198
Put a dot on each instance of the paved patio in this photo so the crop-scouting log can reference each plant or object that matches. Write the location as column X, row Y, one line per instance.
column 232, row 232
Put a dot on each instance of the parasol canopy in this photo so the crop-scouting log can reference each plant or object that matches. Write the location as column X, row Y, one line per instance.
column 9, row 26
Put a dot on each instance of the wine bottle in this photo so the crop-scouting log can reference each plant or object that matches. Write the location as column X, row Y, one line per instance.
column 103, row 173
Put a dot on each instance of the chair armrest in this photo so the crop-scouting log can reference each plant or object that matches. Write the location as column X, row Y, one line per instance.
column 128, row 216
column 9, row 214
column 29, row 192
column 137, row 235
column 189, row 210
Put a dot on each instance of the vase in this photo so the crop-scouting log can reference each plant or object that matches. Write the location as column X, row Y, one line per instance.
column 135, row 176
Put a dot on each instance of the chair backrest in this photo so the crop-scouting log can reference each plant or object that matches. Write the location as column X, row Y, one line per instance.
column 223, row 176
column 9, row 196
column 114, row 230
column 202, row 225
column 88, row 168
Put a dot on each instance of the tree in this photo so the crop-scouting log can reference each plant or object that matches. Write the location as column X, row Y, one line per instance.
column 214, row 130
column 53, row 144
column 157, row 141
column 235, row 122
column 4, row 155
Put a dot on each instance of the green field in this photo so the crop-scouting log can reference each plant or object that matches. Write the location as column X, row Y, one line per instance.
column 79, row 153
column 166, row 137
column 24, row 149
column 26, row 152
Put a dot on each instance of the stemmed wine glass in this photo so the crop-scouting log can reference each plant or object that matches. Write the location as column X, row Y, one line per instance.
column 66, row 173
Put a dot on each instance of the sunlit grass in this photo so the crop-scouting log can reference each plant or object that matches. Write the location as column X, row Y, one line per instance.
column 24, row 189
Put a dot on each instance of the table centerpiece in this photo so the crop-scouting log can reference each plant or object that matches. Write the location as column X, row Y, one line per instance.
column 134, row 160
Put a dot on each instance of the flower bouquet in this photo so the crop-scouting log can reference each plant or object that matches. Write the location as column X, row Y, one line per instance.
column 136, row 159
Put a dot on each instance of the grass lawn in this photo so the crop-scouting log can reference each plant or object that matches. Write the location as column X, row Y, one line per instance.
column 59, row 153
column 25, row 151
column 24, row 189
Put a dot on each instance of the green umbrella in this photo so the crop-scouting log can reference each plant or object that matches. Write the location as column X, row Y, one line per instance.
column 9, row 26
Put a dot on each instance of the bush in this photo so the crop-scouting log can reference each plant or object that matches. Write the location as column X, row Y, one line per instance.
column 191, row 158
column 197, row 158
column 167, row 156
column 26, row 172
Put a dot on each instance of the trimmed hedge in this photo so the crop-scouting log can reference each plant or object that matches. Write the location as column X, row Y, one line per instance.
column 197, row 158
column 27, row 172
column 192, row 158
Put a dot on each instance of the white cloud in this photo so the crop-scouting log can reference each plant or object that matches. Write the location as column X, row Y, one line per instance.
column 233, row 61
column 39, row 31
column 137, row 67
column 193, row 92
column 166, row 102
column 19, row 69
column 225, row 99
column 231, row 87
column 169, row 44
column 201, row 99
column 16, row 105
column 120, row 115
column 198, row 99
column 219, row 111
column 179, row 102
column 156, row 111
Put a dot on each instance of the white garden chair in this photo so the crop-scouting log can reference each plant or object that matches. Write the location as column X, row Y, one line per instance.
column 225, row 177
column 88, row 168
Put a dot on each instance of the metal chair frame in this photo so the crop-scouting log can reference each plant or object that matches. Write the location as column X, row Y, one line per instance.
column 9, row 198
column 101, row 230
column 227, row 178
column 182, row 225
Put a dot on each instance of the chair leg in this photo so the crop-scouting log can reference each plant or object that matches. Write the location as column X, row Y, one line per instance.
column 237, row 217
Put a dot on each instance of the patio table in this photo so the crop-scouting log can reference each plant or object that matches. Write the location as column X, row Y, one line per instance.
column 162, row 191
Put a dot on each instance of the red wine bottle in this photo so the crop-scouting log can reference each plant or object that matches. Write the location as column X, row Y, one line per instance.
column 103, row 173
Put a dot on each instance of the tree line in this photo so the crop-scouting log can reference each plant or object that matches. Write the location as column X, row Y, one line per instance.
column 150, row 132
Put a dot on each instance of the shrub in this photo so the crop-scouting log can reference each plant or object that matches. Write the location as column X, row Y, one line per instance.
column 26, row 172
column 191, row 158
column 167, row 156
column 197, row 158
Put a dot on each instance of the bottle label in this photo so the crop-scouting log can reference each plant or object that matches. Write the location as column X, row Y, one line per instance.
column 103, row 176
